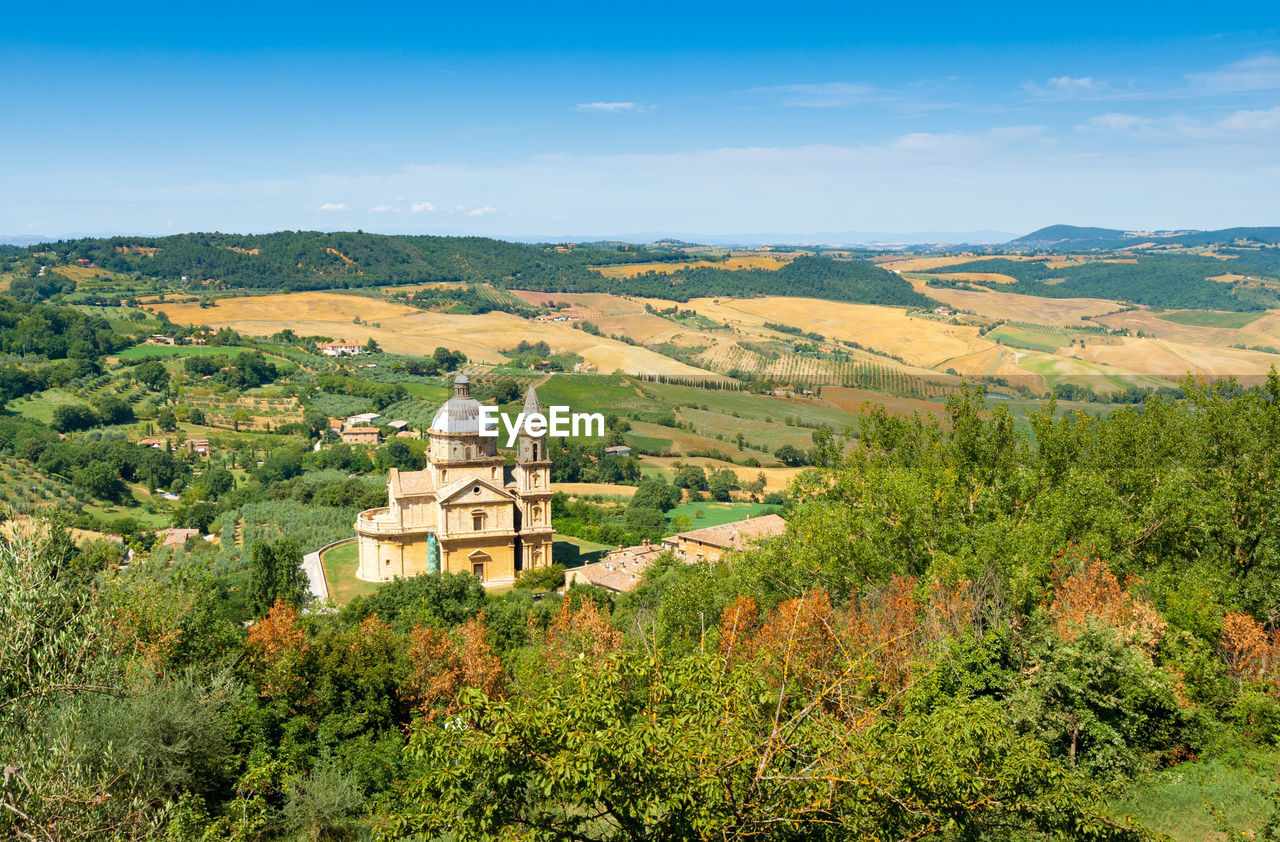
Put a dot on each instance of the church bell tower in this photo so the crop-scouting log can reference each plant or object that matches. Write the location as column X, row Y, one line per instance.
column 533, row 478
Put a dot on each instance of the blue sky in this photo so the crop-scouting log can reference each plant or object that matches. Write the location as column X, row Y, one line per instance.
column 599, row 119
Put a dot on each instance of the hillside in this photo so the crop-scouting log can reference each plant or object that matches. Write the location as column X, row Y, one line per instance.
column 1175, row 281
column 1066, row 236
column 310, row 260
column 1072, row 237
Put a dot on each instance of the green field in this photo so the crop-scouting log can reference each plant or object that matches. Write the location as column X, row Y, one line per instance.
column 648, row 443
column 715, row 514
column 1176, row 801
column 1211, row 318
column 772, row 434
column 139, row 352
column 595, row 393
column 111, row 512
column 40, row 407
column 1029, row 340
column 575, row 552
column 340, row 565
column 749, row 405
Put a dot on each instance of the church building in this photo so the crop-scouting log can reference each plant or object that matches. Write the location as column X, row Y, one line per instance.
column 466, row 511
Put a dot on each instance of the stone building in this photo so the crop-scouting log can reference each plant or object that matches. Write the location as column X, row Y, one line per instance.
column 466, row 511
column 712, row 542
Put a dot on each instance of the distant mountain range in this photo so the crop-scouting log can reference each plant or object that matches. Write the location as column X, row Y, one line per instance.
column 1067, row 237
column 874, row 239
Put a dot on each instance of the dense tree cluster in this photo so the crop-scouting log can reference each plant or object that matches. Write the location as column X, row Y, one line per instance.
column 1177, row 281
column 55, row 332
column 308, row 260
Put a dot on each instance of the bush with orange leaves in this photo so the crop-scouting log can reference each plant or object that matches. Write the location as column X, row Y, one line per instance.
column 873, row 641
column 1091, row 592
column 1247, row 649
column 577, row 631
column 276, row 646
column 441, row 663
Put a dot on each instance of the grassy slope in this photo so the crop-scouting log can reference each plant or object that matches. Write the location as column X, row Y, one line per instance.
column 1175, row 801
column 1211, row 318
column 340, row 565
column 714, row 514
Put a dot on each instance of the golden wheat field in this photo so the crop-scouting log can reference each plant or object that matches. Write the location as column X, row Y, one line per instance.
column 924, row 264
column 630, row 270
column 775, row 479
column 918, row 340
column 1166, row 358
column 405, row 330
column 579, row 489
column 1063, row 312
column 923, row 344
column 982, row 277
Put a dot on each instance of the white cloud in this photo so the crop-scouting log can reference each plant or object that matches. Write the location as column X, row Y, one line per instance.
column 382, row 209
column 1252, row 121
column 606, row 107
column 331, row 206
column 480, row 211
column 1259, row 73
column 1116, row 122
column 820, row 94
column 1237, row 125
column 423, row 207
column 1073, row 87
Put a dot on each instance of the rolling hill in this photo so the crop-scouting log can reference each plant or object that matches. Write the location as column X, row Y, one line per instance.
column 292, row 261
column 1074, row 237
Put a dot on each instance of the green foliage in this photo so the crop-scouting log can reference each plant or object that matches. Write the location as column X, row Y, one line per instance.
column 444, row 600
column 304, row 260
column 645, row 746
column 542, row 579
column 55, row 332
column 71, row 417
column 654, row 493
column 1099, row 702
column 275, row 573
column 1176, row 282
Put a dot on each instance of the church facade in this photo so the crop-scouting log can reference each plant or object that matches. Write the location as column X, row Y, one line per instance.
column 466, row 512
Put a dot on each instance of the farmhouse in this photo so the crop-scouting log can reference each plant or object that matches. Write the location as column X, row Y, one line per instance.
column 466, row 511
column 176, row 537
column 362, row 419
column 617, row 450
column 712, row 542
column 621, row 570
column 200, row 447
column 361, row 435
column 338, row 349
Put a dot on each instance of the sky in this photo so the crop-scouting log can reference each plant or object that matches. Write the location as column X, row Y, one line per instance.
column 577, row 120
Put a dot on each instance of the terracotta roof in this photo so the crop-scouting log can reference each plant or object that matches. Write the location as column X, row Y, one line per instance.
column 360, row 430
column 622, row 570
column 176, row 537
column 409, row 483
column 737, row 534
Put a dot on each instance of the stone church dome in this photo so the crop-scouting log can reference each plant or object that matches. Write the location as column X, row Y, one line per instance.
column 461, row 413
